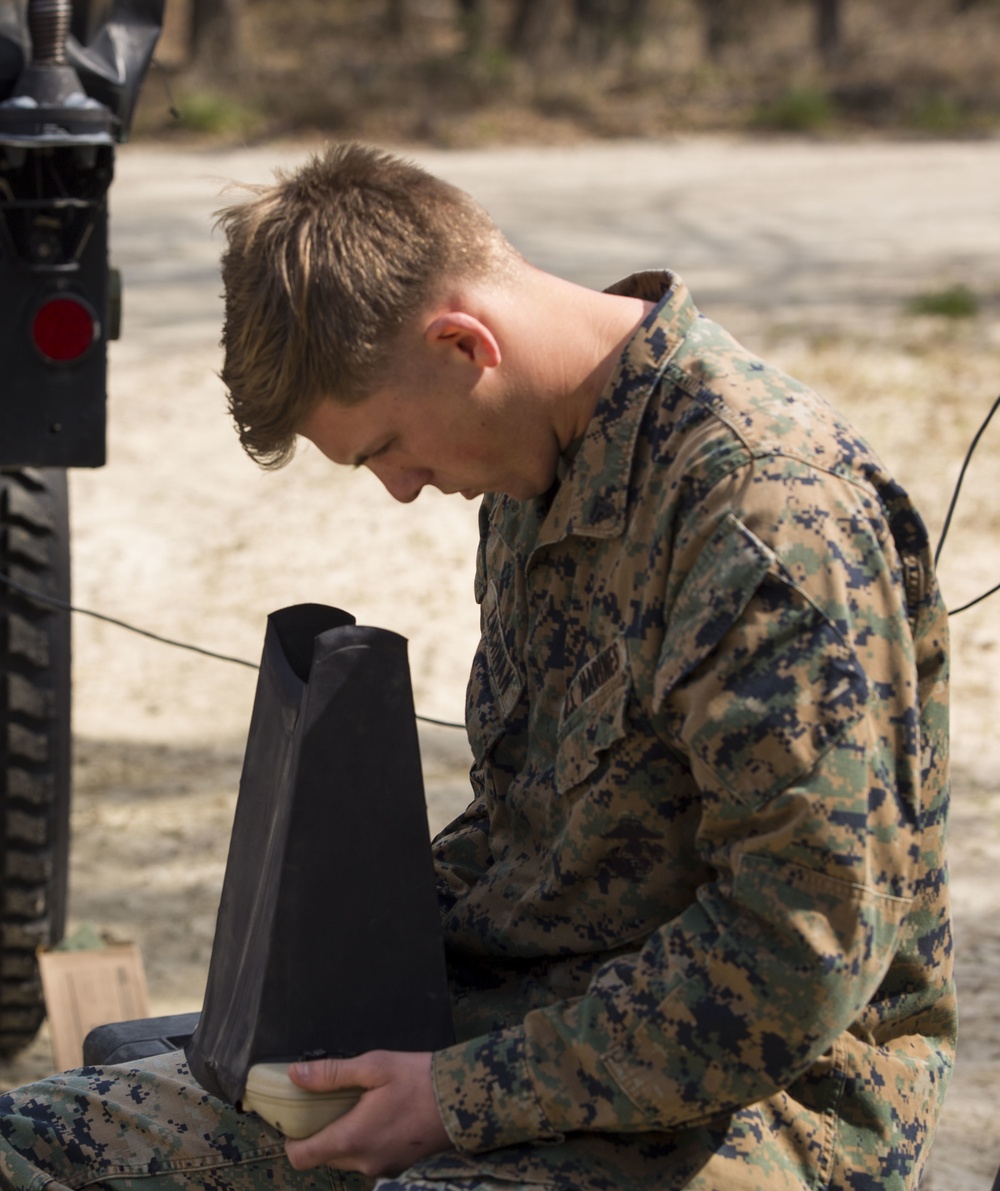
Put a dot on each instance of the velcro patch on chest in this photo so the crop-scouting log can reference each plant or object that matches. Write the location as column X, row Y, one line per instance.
column 504, row 675
column 597, row 674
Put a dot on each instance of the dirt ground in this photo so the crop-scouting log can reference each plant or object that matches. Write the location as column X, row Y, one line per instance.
column 808, row 251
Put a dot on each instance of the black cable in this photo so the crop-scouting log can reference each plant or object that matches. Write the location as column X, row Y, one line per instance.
column 958, row 485
column 426, row 719
column 954, row 502
column 165, row 80
column 52, row 602
column 41, row 598
column 977, row 600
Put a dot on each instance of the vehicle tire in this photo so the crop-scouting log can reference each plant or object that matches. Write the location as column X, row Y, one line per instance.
column 35, row 743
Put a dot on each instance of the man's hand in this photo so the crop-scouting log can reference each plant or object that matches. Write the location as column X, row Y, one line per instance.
column 395, row 1123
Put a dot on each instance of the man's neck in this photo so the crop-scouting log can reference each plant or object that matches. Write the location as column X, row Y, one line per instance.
column 585, row 332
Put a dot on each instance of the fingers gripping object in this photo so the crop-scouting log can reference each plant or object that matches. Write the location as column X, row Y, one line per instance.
column 292, row 1110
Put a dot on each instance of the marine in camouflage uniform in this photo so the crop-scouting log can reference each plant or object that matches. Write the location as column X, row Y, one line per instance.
column 697, row 912
column 702, row 888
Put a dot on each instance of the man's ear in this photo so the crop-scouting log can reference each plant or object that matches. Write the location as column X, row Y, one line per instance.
column 458, row 331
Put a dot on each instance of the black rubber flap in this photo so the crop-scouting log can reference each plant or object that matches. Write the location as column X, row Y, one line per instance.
column 328, row 936
column 123, row 1041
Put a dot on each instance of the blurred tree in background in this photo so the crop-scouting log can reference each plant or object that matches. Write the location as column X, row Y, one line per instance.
column 828, row 29
column 216, row 33
column 474, row 71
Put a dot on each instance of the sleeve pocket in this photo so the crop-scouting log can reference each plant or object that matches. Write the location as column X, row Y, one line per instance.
column 754, row 682
column 726, row 573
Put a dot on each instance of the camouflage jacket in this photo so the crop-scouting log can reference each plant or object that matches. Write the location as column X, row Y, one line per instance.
column 697, row 912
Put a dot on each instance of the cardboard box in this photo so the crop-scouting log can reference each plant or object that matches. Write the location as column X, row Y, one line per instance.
column 84, row 989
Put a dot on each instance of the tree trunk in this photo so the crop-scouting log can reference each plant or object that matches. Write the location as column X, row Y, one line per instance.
column 635, row 21
column 216, row 32
column 472, row 18
column 828, row 30
column 397, row 18
column 718, row 17
column 532, row 26
column 595, row 27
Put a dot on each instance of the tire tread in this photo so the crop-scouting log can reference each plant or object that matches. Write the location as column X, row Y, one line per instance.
column 34, row 740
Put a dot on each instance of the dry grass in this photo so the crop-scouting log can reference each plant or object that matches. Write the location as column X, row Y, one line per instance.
column 916, row 66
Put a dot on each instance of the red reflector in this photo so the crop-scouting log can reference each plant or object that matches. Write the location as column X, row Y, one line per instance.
column 63, row 328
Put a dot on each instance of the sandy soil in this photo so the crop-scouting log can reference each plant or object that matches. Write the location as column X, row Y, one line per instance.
column 807, row 251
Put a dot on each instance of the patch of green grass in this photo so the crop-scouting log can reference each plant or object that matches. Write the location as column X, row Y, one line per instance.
column 957, row 301
column 801, row 109
column 939, row 115
column 495, row 65
column 210, row 112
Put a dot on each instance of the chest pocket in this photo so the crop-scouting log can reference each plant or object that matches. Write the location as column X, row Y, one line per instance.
column 593, row 719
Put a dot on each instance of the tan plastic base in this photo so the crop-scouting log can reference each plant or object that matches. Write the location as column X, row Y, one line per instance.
column 289, row 1108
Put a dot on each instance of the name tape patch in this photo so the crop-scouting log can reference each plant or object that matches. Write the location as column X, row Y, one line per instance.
column 503, row 673
column 595, row 675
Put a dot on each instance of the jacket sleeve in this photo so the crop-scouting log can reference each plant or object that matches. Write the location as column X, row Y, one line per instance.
column 461, row 853
column 790, row 689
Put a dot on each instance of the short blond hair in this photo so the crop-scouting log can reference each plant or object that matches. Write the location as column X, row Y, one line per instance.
column 321, row 271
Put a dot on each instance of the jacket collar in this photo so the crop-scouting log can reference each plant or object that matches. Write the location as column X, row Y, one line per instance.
column 592, row 499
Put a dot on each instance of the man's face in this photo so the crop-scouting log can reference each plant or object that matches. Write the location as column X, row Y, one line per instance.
column 457, row 440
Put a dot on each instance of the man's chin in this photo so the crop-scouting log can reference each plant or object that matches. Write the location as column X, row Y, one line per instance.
column 523, row 491
column 528, row 490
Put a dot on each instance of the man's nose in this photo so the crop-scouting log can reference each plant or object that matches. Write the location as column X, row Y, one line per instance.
column 402, row 483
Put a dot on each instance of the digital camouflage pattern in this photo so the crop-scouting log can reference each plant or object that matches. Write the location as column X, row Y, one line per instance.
column 144, row 1126
column 147, row 1126
column 698, row 909
column 697, row 912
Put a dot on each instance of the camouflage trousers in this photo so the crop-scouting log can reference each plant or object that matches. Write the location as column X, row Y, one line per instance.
column 147, row 1126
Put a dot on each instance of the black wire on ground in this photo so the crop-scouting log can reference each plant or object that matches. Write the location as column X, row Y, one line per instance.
column 978, row 600
column 40, row 598
column 958, row 488
column 954, row 501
